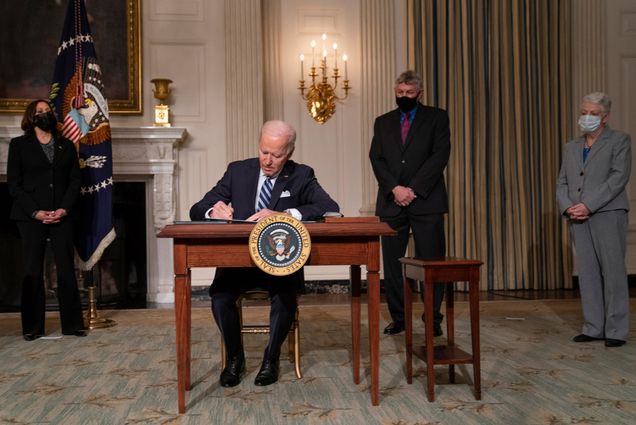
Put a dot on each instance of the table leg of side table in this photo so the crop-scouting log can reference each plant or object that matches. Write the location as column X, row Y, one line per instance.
column 373, row 312
column 408, row 322
column 474, row 330
column 450, row 322
column 430, row 349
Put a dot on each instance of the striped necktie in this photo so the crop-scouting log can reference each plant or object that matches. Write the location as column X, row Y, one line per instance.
column 265, row 195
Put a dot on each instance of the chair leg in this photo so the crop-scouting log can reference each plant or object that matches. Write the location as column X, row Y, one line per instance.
column 299, row 374
column 223, row 354
column 291, row 343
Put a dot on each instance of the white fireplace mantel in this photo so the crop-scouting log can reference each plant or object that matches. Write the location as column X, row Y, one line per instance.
column 150, row 151
column 148, row 154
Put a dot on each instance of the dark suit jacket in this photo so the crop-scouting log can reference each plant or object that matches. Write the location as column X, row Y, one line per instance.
column 238, row 186
column 239, row 183
column 418, row 164
column 35, row 183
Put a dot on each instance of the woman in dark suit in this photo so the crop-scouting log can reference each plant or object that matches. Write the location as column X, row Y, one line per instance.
column 44, row 181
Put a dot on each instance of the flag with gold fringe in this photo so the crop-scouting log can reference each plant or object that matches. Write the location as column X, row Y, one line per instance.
column 77, row 96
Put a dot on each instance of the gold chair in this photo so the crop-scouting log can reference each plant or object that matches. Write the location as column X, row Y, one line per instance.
column 293, row 338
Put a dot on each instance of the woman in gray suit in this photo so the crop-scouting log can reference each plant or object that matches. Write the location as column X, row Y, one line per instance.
column 591, row 194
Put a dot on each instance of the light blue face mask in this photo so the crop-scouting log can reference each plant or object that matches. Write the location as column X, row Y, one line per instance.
column 589, row 123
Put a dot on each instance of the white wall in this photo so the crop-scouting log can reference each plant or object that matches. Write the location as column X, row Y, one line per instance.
column 333, row 149
column 185, row 42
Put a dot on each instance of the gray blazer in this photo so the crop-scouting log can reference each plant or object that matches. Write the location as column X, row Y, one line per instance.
column 600, row 182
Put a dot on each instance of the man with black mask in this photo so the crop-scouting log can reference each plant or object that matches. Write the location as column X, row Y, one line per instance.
column 409, row 152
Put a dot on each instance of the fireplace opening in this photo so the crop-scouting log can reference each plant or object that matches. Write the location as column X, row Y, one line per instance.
column 121, row 273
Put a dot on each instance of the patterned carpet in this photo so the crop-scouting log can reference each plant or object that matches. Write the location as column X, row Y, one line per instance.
column 531, row 373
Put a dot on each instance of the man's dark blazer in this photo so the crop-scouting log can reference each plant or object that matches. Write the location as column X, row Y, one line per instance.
column 418, row 163
column 35, row 183
column 296, row 183
column 238, row 186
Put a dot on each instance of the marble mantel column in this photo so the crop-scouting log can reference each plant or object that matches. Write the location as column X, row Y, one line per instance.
column 150, row 151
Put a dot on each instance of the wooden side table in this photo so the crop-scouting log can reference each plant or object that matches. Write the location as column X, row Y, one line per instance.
column 444, row 270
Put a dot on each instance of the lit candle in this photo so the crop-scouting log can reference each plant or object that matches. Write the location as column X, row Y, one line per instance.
column 344, row 59
column 323, row 63
column 335, row 55
column 324, row 54
column 302, row 72
column 313, row 46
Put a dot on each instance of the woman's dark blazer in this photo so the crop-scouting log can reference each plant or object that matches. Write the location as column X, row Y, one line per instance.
column 35, row 183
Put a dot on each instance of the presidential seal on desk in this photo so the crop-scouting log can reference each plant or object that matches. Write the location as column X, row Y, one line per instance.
column 279, row 245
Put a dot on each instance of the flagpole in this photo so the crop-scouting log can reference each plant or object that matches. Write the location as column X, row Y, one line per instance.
column 93, row 320
column 77, row 94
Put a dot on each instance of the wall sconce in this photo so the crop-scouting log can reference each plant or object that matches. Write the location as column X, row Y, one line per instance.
column 321, row 96
column 161, row 93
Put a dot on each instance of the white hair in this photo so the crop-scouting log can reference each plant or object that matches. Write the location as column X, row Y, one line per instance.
column 410, row 78
column 599, row 98
column 279, row 128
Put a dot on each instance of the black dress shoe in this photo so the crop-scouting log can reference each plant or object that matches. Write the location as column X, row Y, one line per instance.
column 609, row 342
column 394, row 328
column 585, row 338
column 268, row 373
column 31, row 337
column 231, row 375
column 437, row 327
column 78, row 332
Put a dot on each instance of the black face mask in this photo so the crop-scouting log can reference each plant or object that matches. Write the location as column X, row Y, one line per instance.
column 405, row 103
column 45, row 121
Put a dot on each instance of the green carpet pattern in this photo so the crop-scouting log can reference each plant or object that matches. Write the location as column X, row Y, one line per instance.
column 531, row 373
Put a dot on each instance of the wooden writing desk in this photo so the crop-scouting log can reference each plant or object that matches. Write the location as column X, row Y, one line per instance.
column 347, row 241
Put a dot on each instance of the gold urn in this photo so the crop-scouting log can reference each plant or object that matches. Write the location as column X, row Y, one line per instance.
column 161, row 93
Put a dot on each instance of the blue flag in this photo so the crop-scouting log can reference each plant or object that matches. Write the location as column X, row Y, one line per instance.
column 77, row 96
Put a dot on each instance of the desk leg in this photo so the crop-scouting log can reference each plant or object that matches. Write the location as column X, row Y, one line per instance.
column 408, row 322
column 182, row 301
column 373, row 290
column 188, row 329
column 354, row 273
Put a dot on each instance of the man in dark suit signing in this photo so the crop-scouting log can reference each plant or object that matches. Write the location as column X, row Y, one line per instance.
column 251, row 190
column 409, row 151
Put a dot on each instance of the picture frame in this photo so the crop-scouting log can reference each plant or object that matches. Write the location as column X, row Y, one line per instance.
column 30, row 32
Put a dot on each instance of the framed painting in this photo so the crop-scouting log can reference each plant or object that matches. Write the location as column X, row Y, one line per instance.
column 30, row 32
